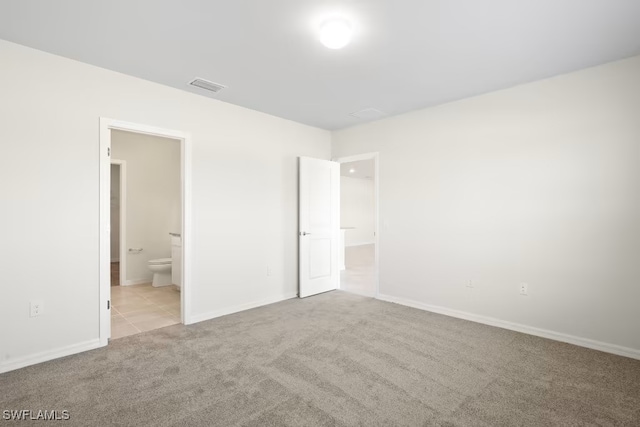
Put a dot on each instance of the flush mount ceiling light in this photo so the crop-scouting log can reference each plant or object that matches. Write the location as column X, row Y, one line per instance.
column 352, row 170
column 336, row 33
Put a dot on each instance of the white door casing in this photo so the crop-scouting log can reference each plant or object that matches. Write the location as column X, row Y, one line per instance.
column 106, row 125
column 319, row 222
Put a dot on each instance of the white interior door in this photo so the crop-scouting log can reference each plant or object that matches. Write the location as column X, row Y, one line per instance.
column 319, row 234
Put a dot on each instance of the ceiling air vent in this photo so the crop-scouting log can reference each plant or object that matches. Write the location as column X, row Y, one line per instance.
column 207, row 85
column 368, row 114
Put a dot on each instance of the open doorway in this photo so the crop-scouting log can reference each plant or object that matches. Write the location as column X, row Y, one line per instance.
column 145, row 183
column 359, row 224
column 150, row 222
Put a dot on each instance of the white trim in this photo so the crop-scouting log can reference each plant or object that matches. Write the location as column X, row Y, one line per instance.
column 242, row 307
column 123, row 220
column 544, row 333
column 376, row 192
column 186, row 236
column 106, row 125
column 104, row 331
column 47, row 355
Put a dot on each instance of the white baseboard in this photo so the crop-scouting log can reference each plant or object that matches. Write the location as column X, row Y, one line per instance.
column 544, row 333
column 242, row 307
column 136, row 282
column 49, row 355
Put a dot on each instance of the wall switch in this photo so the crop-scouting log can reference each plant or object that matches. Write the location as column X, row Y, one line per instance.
column 470, row 284
column 36, row 308
column 269, row 272
column 524, row 289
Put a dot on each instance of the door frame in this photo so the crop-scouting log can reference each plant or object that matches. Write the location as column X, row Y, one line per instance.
column 376, row 194
column 106, row 126
column 122, row 238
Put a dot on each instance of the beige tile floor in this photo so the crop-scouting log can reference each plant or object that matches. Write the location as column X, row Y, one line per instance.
column 360, row 275
column 141, row 308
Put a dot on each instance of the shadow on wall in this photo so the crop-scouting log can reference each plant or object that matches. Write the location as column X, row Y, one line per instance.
column 115, row 213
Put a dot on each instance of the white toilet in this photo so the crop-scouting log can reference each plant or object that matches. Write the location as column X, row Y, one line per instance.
column 161, row 269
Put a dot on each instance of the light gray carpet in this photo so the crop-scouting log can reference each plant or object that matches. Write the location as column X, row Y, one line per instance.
column 332, row 360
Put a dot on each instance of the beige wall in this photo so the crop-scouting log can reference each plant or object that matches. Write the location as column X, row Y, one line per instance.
column 244, row 196
column 539, row 184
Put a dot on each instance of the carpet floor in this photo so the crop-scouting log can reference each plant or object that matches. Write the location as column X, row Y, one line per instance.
column 335, row 359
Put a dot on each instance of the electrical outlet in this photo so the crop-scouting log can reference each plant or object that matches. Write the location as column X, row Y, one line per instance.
column 36, row 308
column 524, row 289
column 269, row 272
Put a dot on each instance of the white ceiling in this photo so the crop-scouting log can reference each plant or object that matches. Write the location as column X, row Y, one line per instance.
column 364, row 169
column 407, row 54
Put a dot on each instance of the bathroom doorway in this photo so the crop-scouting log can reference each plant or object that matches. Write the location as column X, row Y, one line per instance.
column 144, row 231
column 145, row 225
column 359, row 224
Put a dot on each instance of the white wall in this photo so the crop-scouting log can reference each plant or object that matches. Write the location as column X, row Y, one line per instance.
column 357, row 210
column 244, row 196
column 115, row 213
column 539, row 184
column 153, row 198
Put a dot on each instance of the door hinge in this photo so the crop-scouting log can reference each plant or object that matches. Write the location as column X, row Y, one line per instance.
column 108, row 304
column 109, row 151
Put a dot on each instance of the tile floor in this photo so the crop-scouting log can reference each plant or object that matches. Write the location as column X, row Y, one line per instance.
column 141, row 308
column 359, row 276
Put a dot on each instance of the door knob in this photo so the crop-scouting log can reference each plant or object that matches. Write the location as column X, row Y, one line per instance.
column 304, row 233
